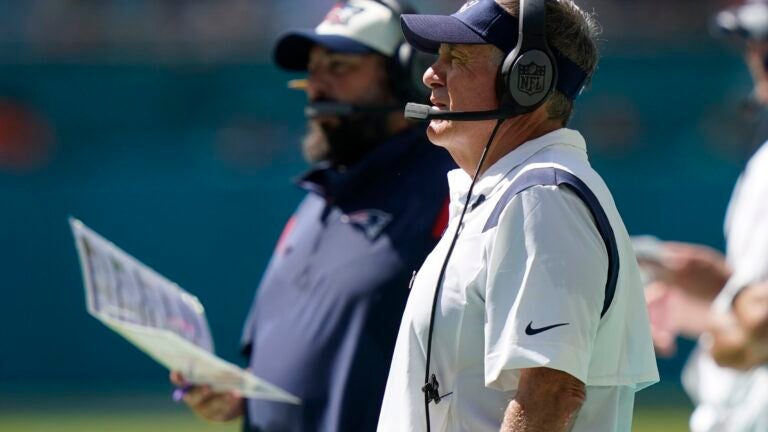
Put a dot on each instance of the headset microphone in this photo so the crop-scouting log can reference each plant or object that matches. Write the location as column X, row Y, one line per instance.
column 419, row 112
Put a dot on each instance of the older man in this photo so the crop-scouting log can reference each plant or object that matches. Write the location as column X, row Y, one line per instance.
column 529, row 313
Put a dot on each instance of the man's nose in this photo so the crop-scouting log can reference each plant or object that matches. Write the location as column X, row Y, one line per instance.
column 432, row 77
column 317, row 84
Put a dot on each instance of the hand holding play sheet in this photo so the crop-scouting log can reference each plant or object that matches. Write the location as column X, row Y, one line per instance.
column 159, row 317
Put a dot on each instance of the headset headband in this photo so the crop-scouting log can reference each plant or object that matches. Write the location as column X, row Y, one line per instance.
column 485, row 22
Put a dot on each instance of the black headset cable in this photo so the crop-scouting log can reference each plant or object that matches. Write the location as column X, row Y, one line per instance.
column 431, row 389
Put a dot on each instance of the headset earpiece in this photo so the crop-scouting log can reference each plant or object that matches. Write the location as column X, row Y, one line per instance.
column 529, row 72
column 406, row 72
column 407, row 66
column 529, row 79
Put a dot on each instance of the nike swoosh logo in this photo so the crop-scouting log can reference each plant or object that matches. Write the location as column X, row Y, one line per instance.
column 530, row 331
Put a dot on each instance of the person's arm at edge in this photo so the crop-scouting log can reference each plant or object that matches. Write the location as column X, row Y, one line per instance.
column 740, row 338
column 699, row 271
column 547, row 400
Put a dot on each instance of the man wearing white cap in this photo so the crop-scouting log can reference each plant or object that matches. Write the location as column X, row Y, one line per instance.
column 324, row 319
column 528, row 315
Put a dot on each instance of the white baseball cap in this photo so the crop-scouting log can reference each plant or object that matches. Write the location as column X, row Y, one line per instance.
column 351, row 27
column 749, row 20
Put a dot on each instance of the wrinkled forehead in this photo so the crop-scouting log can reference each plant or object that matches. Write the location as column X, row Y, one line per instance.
column 474, row 52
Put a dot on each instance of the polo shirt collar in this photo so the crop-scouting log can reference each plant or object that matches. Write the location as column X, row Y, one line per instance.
column 491, row 181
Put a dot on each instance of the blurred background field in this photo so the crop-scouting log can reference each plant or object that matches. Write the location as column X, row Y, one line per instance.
column 140, row 410
column 180, row 420
column 164, row 126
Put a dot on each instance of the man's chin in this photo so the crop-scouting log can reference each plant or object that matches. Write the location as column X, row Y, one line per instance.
column 438, row 130
column 343, row 140
column 315, row 143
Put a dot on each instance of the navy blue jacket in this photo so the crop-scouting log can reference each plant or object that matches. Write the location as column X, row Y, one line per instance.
column 325, row 318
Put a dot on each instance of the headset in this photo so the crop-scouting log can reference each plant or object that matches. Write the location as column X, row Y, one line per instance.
column 531, row 55
column 517, row 98
column 404, row 73
column 406, row 66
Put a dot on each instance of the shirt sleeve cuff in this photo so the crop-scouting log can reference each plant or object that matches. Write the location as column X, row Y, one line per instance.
column 502, row 368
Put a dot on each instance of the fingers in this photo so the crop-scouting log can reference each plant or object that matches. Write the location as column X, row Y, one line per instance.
column 207, row 403
column 740, row 339
column 726, row 342
column 680, row 248
column 212, row 405
column 689, row 256
column 225, row 407
column 198, row 396
column 698, row 270
column 751, row 311
column 177, row 379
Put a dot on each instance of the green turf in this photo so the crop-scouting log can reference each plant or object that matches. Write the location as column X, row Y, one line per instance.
column 658, row 409
column 129, row 420
column 673, row 419
column 123, row 421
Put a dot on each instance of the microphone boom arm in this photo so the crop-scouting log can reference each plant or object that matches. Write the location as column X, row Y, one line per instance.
column 420, row 112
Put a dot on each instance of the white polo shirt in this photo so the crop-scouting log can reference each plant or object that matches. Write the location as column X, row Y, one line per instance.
column 730, row 400
column 525, row 288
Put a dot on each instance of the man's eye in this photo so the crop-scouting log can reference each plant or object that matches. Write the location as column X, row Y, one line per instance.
column 338, row 66
column 456, row 56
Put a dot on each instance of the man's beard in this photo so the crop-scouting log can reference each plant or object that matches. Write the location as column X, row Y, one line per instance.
column 345, row 140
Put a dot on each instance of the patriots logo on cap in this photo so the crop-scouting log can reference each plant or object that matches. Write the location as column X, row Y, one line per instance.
column 468, row 5
column 531, row 78
column 371, row 222
column 342, row 13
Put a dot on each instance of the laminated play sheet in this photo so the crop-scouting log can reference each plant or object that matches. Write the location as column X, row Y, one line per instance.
column 159, row 317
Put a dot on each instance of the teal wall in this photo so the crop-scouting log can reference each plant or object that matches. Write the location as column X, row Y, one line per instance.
column 188, row 168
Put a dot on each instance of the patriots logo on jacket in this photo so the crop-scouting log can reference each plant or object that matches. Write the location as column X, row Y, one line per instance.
column 371, row 222
column 468, row 5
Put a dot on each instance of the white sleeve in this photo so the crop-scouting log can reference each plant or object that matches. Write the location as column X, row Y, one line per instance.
column 548, row 268
column 747, row 229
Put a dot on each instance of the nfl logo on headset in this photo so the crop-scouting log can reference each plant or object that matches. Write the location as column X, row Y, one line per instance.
column 531, row 78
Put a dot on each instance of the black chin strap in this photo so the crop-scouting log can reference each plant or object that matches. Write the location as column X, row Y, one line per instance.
column 431, row 385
